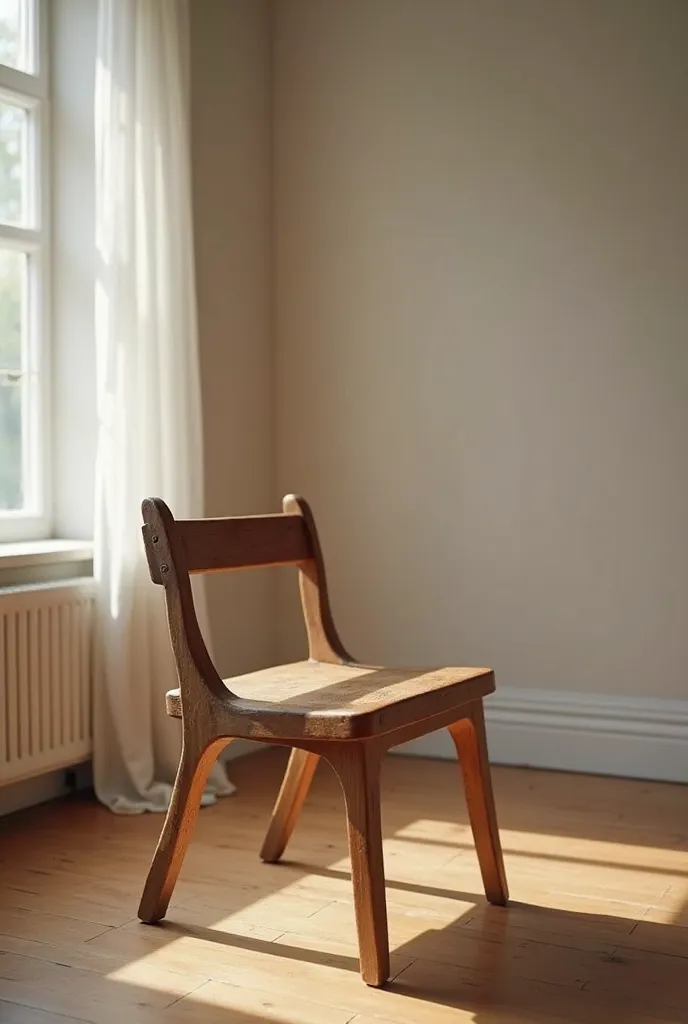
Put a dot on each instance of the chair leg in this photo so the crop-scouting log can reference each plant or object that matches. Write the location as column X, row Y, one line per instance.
column 471, row 746
column 293, row 792
column 358, row 768
column 194, row 767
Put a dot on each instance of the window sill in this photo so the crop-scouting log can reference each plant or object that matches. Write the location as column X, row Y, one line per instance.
column 42, row 561
column 44, row 552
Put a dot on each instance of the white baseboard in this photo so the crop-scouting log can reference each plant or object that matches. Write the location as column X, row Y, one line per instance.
column 19, row 796
column 38, row 790
column 633, row 737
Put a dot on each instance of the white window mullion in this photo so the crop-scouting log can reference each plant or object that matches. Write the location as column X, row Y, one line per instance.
column 23, row 239
column 22, row 84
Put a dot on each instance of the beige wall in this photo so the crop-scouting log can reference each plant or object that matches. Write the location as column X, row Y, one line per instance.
column 481, row 353
column 231, row 165
column 481, row 310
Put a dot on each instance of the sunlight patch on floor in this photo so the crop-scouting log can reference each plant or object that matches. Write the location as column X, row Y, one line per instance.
column 624, row 855
column 256, row 945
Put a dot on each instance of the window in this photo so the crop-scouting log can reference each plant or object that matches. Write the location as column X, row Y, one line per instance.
column 23, row 270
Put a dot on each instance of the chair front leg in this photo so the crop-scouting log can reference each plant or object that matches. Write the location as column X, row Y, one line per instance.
column 471, row 746
column 358, row 768
column 194, row 767
column 293, row 792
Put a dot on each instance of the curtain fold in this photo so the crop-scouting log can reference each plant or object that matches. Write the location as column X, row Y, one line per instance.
column 148, row 386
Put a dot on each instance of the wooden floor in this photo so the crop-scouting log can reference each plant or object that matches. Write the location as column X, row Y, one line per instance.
column 597, row 930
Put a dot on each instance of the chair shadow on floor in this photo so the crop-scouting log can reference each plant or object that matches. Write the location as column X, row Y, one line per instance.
column 523, row 962
column 528, row 963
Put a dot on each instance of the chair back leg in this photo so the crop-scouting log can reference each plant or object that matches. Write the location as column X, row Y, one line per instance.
column 358, row 768
column 471, row 746
column 293, row 792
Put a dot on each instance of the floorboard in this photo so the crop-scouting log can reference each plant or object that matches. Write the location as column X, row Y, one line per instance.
column 597, row 930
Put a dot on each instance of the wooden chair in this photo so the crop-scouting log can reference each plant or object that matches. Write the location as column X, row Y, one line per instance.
column 329, row 706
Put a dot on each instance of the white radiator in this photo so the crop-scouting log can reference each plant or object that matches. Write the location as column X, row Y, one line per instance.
column 45, row 677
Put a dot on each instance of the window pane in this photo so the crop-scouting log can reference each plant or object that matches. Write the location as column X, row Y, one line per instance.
column 15, row 46
column 13, row 377
column 13, row 164
column 11, row 489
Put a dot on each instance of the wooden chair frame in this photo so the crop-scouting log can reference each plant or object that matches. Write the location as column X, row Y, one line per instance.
column 352, row 742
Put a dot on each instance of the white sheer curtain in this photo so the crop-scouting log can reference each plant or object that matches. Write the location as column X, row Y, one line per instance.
column 150, row 440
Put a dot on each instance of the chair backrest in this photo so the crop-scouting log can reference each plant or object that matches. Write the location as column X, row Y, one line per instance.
column 248, row 542
column 217, row 545
column 177, row 548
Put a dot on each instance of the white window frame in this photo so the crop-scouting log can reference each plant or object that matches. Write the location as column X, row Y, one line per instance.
column 31, row 91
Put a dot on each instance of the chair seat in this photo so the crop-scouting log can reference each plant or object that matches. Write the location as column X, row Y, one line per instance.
column 335, row 701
